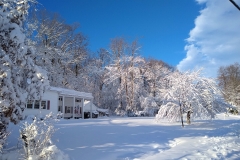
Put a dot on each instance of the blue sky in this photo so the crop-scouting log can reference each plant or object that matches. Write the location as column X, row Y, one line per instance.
column 161, row 26
column 187, row 34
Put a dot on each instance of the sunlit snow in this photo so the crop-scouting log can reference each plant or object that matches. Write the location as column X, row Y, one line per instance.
column 137, row 138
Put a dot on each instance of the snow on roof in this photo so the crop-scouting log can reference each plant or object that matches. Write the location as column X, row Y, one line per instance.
column 102, row 110
column 70, row 92
column 94, row 108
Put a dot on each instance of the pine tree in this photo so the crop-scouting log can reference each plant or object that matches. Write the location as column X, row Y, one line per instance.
column 19, row 77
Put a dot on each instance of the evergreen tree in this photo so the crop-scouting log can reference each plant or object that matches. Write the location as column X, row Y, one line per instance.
column 19, row 77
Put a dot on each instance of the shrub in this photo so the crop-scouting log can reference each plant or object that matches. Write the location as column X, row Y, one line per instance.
column 36, row 138
column 233, row 111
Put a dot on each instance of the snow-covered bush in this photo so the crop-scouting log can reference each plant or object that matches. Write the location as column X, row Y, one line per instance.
column 169, row 111
column 233, row 111
column 59, row 115
column 120, row 112
column 149, row 106
column 36, row 138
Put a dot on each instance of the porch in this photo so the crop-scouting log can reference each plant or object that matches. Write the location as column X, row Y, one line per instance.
column 73, row 107
column 71, row 103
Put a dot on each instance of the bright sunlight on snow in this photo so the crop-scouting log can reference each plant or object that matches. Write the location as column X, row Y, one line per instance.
column 142, row 138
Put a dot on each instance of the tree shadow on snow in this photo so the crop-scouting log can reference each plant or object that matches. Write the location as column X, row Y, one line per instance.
column 107, row 140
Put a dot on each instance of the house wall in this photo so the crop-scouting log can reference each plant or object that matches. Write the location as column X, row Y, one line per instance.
column 48, row 96
column 63, row 102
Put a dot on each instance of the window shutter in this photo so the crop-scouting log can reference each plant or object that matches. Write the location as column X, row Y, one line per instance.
column 48, row 105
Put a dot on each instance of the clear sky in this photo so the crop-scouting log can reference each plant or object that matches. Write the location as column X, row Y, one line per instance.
column 183, row 33
column 160, row 25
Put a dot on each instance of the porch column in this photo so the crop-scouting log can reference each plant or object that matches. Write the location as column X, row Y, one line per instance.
column 82, row 108
column 63, row 105
column 91, row 108
column 74, row 107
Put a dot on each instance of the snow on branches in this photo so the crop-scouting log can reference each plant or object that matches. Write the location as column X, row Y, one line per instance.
column 16, row 62
column 125, row 74
column 36, row 138
column 189, row 93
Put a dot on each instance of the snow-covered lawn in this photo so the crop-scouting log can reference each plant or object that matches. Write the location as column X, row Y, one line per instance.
column 116, row 138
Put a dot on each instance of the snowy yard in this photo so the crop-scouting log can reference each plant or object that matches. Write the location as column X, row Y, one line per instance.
column 115, row 138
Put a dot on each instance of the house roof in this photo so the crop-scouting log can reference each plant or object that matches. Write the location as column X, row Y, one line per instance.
column 94, row 108
column 70, row 92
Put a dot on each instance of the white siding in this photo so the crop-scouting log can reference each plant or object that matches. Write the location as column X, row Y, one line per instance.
column 67, row 103
column 48, row 96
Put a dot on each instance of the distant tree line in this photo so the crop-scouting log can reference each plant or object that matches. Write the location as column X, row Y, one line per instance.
column 229, row 81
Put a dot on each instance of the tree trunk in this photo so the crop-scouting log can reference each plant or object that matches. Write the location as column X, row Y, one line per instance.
column 76, row 70
column 132, row 91
column 188, row 117
column 181, row 115
column 154, row 88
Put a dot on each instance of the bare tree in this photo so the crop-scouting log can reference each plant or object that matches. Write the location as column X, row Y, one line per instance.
column 229, row 82
column 61, row 49
column 155, row 74
column 118, row 50
column 124, row 72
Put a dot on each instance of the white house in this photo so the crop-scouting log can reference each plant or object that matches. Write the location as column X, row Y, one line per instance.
column 69, row 102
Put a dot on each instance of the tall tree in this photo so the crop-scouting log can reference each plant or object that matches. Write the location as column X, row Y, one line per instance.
column 97, row 75
column 20, row 78
column 153, row 73
column 125, row 75
column 61, row 50
column 116, row 71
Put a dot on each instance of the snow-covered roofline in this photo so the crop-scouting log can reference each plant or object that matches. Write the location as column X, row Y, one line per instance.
column 70, row 92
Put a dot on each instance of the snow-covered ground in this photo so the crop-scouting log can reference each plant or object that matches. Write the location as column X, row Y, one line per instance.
column 117, row 138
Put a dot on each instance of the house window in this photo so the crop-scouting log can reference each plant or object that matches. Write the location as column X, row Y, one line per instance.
column 60, row 99
column 60, row 109
column 43, row 105
column 36, row 104
column 77, row 110
column 77, row 100
column 68, row 109
column 30, row 104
